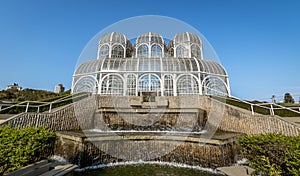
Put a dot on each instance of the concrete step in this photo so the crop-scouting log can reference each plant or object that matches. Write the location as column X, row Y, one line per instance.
column 293, row 119
column 32, row 169
column 236, row 170
column 60, row 170
column 6, row 116
column 44, row 168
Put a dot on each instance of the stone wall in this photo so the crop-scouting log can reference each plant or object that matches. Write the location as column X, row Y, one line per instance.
column 225, row 117
column 64, row 118
column 86, row 153
column 149, row 121
column 239, row 120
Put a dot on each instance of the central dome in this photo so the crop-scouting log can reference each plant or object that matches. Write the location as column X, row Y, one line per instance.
column 150, row 38
column 149, row 45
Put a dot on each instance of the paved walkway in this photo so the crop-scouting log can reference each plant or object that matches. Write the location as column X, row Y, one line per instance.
column 236, row 170
column 3, row 117
column 293, row 119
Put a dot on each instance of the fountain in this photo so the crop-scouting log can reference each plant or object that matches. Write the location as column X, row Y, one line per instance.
column 123, row 131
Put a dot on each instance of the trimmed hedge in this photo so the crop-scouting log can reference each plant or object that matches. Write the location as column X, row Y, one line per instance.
column 20, row 147
column 272, row 154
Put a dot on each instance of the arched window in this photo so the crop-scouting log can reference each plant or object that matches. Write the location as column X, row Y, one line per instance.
column 168, row 85
column 181, row 51
column 112, row 85
column 117, row 52
column 149, row 82
column 214, row 86
column 187, row 84
column 142, row 51
column 131, row 85
column 104, row 50
column 196, row 51
column 85, row 84
column 156, row 51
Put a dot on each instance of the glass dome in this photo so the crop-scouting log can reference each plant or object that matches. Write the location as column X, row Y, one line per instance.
column 150, row 38
column 114, row 45
column 186, row 37
column 186, row 45
column 113, row 37
column 149, row 45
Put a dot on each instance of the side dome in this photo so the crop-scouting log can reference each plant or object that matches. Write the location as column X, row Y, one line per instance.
column 186, row 45
column 149, row 45
column 114, row 45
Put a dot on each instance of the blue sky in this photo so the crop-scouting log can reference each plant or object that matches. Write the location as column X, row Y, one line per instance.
column 257, row 41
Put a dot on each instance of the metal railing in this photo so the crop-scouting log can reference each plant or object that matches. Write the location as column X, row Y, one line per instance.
column 270, row 107
column 43, row 106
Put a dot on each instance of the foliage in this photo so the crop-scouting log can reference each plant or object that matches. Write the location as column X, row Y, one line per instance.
column 33, row 95
column 288, row 98
column 273, row 154
column 29, row 95
column 20, row 147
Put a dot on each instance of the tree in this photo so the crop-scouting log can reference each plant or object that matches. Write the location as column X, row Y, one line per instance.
column 288, row 98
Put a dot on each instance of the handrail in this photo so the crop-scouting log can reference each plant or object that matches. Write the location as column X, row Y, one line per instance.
column 263, row 105
column 26, row 104
column 42, row 104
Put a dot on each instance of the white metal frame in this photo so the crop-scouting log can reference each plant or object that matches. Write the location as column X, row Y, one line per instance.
column 162, row 71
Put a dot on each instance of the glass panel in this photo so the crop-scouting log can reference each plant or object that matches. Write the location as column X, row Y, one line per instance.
column 194, row 65
column 156, row 51
column 104, row 50
column 86, row 84
column 214, row 86
column 117, row 52
column 181, row 52
column 105, row 64
column 168, row 85
column 131, row 85
column 112, row 85
column 149, row 82
column 142, row 51
column 187, row 84
column 196, row 51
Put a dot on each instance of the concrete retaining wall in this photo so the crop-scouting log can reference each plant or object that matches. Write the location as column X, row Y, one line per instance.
column 87, row 152
column 59, row 120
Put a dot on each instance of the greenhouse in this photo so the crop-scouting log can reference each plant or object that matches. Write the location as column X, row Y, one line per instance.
column 151, row 66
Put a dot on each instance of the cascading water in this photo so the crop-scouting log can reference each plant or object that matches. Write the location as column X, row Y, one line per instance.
column 146, row 168
column 136, row 134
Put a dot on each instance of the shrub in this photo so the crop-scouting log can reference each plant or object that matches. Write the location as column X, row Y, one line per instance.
column 272, row 154
column 20, row 147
